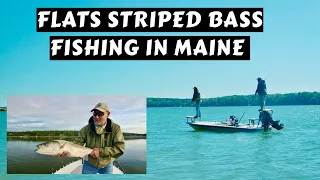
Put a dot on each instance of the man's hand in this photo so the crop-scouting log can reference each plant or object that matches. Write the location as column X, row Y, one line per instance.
column 95, row 153
column 62, row 155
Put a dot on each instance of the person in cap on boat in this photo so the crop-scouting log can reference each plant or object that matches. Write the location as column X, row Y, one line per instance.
column 104, row 137
column 197, row 98
column 262, row 92
column 233, row 120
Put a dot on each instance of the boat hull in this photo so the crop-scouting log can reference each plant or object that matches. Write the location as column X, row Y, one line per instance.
column 224, row 128
column 76, row 168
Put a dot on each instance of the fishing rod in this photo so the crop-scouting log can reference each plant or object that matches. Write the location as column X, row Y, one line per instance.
column 247, row 108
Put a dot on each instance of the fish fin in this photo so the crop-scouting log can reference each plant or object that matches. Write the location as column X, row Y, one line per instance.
column 61, row 147
column 61, row 141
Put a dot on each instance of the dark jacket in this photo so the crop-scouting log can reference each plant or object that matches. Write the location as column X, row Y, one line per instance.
column 262, row 88
column 111, row 142
column 196, row 96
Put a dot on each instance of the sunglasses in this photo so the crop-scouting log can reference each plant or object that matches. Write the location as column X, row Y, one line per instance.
column 98, row 114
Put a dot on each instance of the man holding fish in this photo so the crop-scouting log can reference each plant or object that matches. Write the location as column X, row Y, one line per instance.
column 104, row 138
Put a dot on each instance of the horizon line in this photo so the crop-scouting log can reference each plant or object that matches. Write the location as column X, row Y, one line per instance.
column 217, row 96
column 240, row 95
column 69, row 130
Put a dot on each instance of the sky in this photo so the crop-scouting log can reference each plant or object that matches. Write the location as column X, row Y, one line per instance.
column 27, row 113
column 286, row 53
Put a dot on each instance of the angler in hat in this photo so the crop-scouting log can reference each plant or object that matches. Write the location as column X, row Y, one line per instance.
column 197, row 98
column 105, row 139
column 262, row 92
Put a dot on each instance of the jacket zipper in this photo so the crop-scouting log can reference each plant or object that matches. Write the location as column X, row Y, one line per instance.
column 101, row 145
column 99, row 152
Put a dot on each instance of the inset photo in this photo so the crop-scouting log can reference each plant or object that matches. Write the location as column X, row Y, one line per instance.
column 76, row 135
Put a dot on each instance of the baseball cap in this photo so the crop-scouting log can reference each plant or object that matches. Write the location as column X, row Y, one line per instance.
column 103, row 107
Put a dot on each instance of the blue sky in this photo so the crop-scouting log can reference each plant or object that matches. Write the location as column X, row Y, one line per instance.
column 285, row 52
column 27, row 113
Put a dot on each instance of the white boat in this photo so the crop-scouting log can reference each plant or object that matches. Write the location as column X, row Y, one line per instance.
column 232, row 125
column 76, row 168
column 216, row 126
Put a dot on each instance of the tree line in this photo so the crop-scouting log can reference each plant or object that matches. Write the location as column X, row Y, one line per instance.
column 300, row 98
column 60, row 133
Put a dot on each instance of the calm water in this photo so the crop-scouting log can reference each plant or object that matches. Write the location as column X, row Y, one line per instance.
column 21, row 157
column 176, row 151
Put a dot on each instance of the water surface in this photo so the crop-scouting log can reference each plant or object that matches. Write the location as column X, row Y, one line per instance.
column 22, row 159
column 176, row 151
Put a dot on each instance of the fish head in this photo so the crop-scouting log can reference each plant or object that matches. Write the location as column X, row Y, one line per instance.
column 49, row 148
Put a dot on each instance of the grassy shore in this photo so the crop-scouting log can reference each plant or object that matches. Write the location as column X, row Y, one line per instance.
column 42, row 136
column 31, row 137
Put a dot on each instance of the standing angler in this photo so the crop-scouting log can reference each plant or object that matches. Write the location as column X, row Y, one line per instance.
column 197, row 98
column 262, row 92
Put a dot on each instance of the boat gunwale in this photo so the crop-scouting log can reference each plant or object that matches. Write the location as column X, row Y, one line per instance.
column 224, row 127
column 73, row 166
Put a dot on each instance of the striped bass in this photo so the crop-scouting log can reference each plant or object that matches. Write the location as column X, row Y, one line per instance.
column 59, row 146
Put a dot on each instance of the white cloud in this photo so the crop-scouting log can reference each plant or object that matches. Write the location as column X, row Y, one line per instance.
column 72, row 112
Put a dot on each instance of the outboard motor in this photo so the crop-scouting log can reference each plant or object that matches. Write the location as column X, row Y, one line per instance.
column 266, row 118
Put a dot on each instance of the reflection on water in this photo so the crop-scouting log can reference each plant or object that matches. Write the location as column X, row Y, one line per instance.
column 22, row 158
column 39, row 139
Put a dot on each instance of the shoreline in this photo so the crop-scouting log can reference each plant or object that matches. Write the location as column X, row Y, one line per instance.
column 25, row 137
column 229, row 106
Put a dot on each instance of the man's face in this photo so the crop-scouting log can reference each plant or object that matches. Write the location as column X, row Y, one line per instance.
column 100, row 117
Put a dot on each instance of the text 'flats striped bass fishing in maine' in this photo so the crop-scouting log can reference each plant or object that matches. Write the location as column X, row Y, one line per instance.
column 59, row 146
